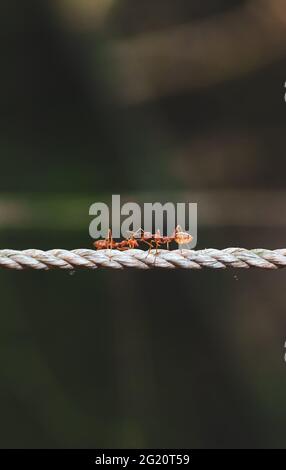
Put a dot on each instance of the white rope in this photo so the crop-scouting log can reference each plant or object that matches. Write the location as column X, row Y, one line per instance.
column 187, row 259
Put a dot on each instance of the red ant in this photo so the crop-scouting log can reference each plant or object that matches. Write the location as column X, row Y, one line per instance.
column 109, row 243
column 178, row 236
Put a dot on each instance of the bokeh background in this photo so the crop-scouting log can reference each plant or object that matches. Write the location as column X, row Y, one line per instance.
column 156, row 100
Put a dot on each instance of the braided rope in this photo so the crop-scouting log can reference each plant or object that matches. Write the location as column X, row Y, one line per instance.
column 187, row 259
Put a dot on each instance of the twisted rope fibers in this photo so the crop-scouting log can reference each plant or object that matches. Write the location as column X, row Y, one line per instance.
column 135, row 258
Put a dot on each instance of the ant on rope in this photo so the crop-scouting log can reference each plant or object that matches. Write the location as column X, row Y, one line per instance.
column 156, row 240
column 140, row 236
column 109, row 243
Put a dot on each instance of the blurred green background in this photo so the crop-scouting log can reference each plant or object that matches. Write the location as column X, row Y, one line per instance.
column 155, row 100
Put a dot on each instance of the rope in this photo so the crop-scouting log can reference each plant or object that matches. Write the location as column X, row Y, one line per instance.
column 187, row 259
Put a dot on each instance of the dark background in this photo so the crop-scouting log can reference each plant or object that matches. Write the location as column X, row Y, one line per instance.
column 154, row 100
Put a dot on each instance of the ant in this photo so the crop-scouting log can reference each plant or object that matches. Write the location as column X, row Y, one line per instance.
column 178, row 236
column 109, row 243
column 152, row 240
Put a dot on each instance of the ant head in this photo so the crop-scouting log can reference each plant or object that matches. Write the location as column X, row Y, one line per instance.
column 182, row 238
column 99, row 244
column 147, row 234
column 158, row 233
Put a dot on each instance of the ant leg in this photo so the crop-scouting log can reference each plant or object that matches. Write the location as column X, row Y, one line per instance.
column 158, row 243
column 147, row 243
column 150, row 247
column 139, row 230
column 110, row 240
